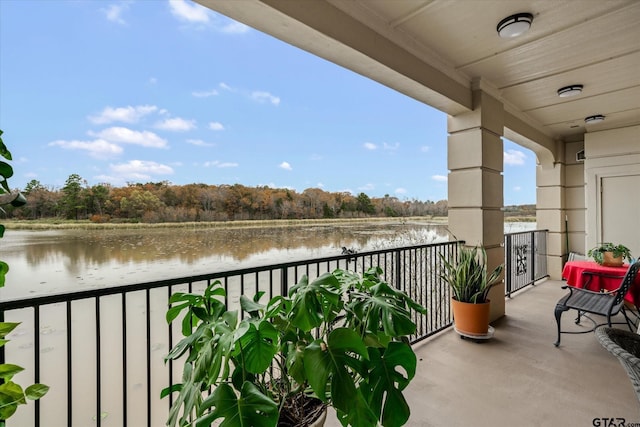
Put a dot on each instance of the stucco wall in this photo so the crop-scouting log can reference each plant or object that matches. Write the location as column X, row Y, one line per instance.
column 611, row 153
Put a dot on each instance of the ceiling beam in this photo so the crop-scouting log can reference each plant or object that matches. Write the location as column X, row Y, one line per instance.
column 326, row 31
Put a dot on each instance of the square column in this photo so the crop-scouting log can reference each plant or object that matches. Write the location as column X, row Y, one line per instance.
column 475, row 184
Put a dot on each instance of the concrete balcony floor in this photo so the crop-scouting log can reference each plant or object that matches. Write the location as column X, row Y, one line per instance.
column 518, row 378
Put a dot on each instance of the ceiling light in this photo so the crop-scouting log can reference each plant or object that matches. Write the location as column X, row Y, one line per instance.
column 567, row 91
column 594, row 119
column 514, row 25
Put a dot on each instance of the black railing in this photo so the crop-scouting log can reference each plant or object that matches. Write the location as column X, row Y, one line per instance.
column 525, row 259
column 101, row 351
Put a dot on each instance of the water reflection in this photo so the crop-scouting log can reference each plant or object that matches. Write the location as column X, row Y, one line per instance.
column 55, row 261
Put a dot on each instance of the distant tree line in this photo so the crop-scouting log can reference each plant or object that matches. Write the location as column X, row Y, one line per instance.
column 165, row 202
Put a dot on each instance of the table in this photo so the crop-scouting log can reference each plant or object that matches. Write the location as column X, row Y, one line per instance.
column 573, row 274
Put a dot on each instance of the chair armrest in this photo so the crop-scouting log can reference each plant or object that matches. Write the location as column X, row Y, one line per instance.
column 588, row 291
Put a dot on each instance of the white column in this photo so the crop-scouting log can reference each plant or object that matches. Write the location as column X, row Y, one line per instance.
column 475, row 162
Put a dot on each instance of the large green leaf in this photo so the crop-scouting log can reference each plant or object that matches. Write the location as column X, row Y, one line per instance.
column 6, row 171
column 250, row 409
column 11, row 395
column 384, row 309
column 218, row 367
column 188, row 400
column 359, row 413
column 20, row 200
column 4, row 151
column 36, row 391
column 257, row 346
column 391, row 371
column 253, row 307
column 8, row 370
column 336, row 364
column 6, row 327
column 315, row 302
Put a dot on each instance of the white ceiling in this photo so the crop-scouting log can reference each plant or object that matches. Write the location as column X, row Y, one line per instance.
column 595, row 43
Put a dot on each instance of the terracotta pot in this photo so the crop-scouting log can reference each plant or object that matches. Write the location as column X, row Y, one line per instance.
column 472, row 319
column 608, row 259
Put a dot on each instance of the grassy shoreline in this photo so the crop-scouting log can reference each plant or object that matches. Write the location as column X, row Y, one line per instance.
column 69, row 224
column 87, row 225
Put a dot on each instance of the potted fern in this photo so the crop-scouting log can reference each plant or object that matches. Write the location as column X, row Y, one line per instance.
column 340, row 340
column 610, row 254
column 470, row 284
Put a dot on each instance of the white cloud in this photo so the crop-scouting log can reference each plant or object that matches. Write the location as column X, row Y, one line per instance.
column 425, row 148
column 128, row 136
column 114, row 12
column 262, row 96
column 367, row 187
column 225, row 86
column 200, row 143
column 320, row 185
column 219, row 164
column 205, row 93
column 153, row 81
column 370, row 146
column 514, row 157
column 189, row 12
column 127, row 114
column 98, row 148
column 517, row 188
column 439, row 178
column 140, row 169
column 234, row 27
column 400, row 190
column 391, row 147
column 176, row 124
column 216, row 126
column 285, row 166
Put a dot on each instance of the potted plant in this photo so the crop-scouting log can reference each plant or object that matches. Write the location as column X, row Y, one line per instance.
column 610, row 254
column 340, row 340
column 470, row 285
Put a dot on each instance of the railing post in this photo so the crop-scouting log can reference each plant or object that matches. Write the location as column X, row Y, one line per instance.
column 534, row 250
column 284, row 281
column 507, row 261
column 398, row 268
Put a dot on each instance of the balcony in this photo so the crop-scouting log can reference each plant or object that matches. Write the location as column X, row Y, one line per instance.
column 518, row 378
column 101, row 351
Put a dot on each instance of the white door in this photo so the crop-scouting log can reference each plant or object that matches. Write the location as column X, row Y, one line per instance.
column 621, row 211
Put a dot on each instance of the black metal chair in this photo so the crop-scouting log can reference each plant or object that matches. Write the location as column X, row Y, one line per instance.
column 625, row 346
column 607, row 304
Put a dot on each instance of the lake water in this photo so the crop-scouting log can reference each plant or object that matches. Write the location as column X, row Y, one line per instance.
column 44, row 262
column 55, row 261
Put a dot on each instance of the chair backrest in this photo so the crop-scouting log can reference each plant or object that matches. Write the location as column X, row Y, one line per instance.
column 575, row 256
column 627, row 282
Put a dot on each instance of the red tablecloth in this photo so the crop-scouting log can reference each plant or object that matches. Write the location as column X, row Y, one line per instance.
column 572, row 273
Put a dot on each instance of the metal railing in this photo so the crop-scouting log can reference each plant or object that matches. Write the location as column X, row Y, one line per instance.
column 525, row 259
column 101, row 351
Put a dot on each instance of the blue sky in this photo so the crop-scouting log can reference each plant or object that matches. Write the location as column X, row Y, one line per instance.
column 166, row 90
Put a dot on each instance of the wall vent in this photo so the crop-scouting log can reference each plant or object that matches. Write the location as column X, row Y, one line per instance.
column 580, row 156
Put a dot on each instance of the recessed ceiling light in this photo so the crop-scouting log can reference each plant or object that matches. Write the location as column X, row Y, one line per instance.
column 594, row 119
column 514, row 25
column 567, row 91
